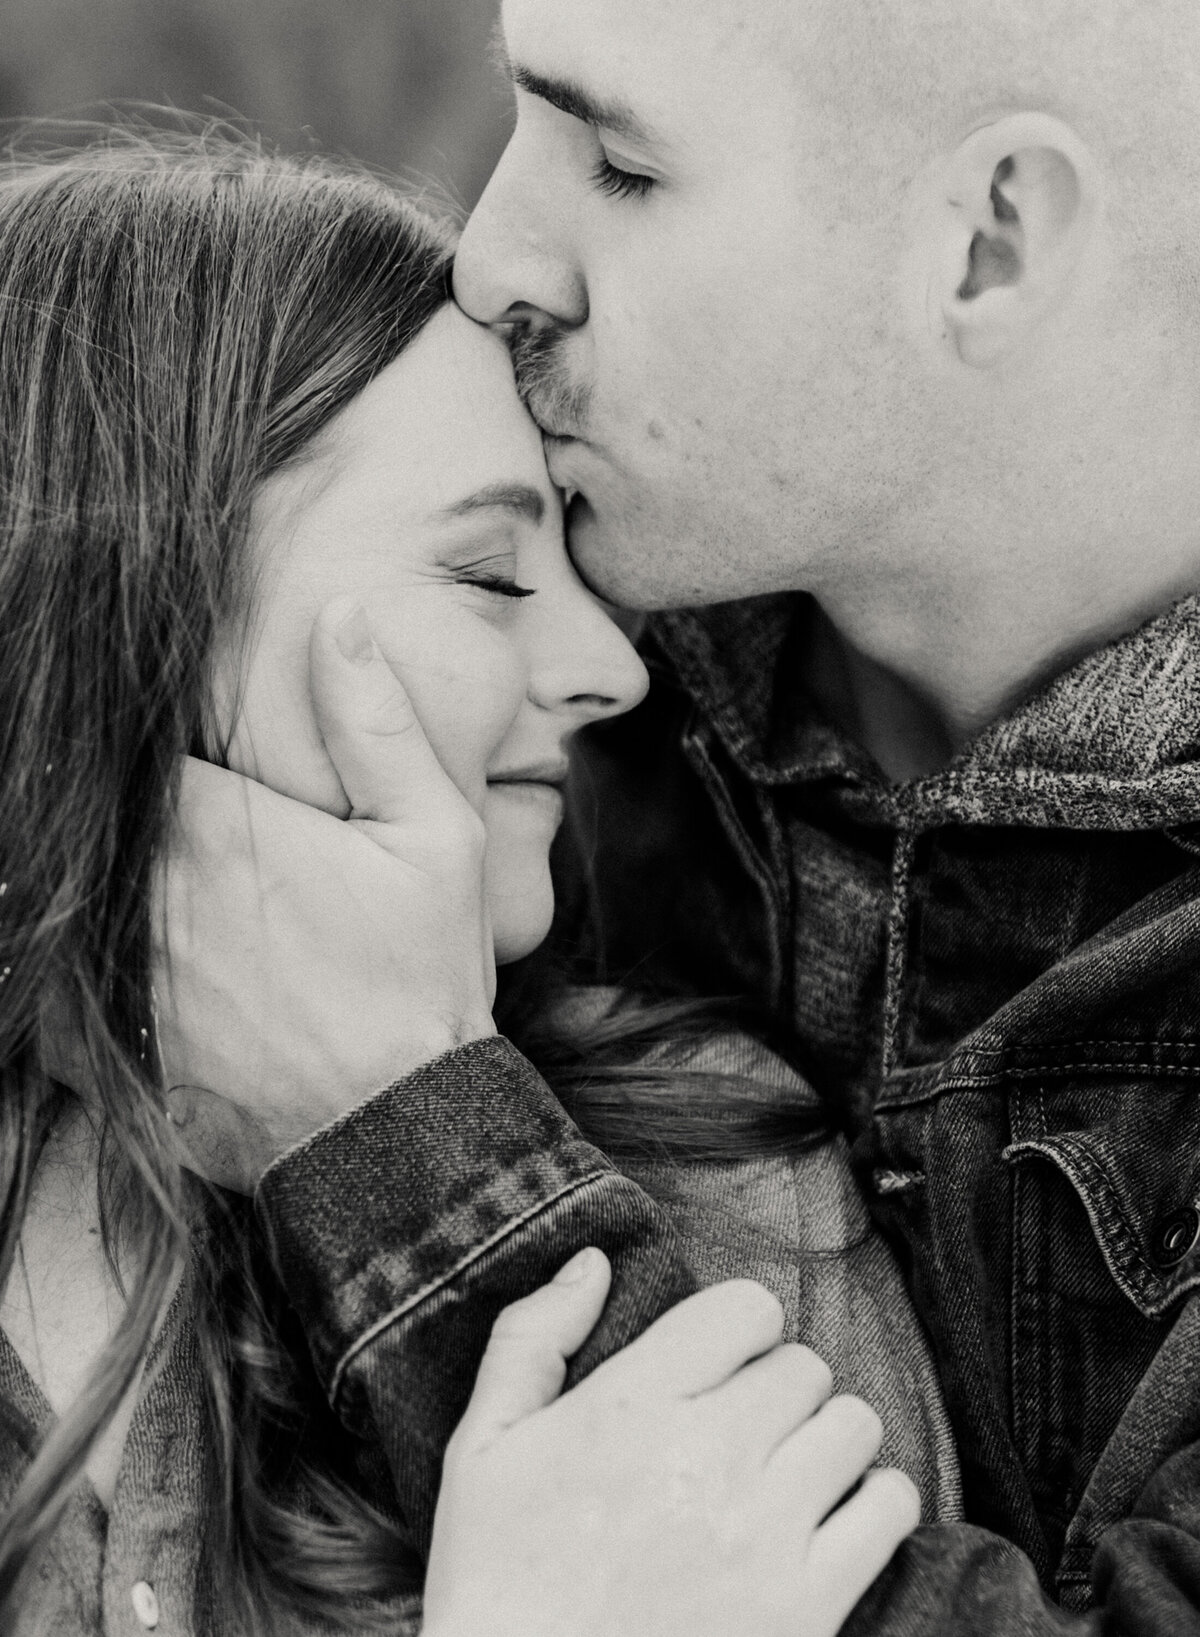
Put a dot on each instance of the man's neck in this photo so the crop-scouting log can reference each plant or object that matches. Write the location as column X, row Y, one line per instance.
column 901, row 731
column 914, row 697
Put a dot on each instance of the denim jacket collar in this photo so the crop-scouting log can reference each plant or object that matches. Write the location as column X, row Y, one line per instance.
column 1111, row 744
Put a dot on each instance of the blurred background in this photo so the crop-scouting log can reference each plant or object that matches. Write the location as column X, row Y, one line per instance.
column 407, row 84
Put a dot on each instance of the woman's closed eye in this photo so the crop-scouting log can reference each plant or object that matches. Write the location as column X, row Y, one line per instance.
column 498, row 583
column 494, row 574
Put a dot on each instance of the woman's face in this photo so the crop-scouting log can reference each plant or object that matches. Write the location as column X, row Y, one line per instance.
column 427, row 499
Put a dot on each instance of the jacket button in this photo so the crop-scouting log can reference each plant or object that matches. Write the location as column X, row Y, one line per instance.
column 145, row 1604
column 1176, row 1235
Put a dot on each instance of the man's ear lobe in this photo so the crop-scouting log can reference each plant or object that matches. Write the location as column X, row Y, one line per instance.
column 1020, row 204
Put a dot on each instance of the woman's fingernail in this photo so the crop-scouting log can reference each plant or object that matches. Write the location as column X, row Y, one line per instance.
column 353, row 637
column 577, row 1269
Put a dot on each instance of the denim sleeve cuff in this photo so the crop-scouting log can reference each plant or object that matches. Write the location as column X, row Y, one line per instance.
column 374, row 1214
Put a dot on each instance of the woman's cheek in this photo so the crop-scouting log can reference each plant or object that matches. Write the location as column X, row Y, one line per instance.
column 466, row 686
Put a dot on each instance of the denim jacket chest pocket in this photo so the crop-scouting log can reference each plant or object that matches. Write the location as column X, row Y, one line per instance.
column 1106, row 1249
column 1130, row 1151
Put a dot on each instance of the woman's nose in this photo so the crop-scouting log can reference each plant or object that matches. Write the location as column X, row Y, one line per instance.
column 592, row 672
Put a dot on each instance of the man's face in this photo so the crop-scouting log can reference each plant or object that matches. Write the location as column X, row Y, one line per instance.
column 681, row 230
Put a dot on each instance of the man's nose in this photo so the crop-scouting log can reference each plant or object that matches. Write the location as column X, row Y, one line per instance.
column 516, row 262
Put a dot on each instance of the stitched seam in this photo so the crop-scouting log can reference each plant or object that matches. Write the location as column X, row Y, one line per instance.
column 1017, row 1263
column 1047, row 1065
column 464, row 1262
column 742, row 843
column 985, row 1080
column 1106, row 1213
column 1104, row 1065
column 1072, row 1045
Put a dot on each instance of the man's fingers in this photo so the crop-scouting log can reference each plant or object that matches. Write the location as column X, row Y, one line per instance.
column 855, row 1545
column 371, row 732
column 525, row 1363
column 697, row 1345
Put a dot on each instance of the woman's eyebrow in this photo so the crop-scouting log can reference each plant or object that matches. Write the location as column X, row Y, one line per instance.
column 519, row 498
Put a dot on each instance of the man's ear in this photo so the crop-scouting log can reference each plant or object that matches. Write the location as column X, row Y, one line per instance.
column 1019, row 206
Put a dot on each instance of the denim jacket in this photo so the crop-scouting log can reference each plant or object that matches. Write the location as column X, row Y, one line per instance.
column 402, row 1229
column 399, row 1232
column 993, row 976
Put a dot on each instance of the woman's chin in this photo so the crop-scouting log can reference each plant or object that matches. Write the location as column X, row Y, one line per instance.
column 513, row 942
column 520, row 893
column 521, row 920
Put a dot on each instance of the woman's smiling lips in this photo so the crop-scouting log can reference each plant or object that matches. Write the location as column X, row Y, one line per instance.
column 540, row 786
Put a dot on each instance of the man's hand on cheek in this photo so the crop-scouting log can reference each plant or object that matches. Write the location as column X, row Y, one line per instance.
column 307, row 962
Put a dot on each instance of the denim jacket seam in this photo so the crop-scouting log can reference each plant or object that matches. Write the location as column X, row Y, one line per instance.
column 393, row 1315
column 925, row 1085
column 768, row 875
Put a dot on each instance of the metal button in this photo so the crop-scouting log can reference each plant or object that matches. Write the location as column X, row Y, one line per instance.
column 145, row 1604
column 1176, row 1235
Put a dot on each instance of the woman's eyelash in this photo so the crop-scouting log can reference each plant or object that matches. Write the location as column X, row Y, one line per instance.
column 497, row 583
column 620, row 184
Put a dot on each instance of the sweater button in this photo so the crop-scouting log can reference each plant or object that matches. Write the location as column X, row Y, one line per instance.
column 145, row 1604
column 1176, row 1235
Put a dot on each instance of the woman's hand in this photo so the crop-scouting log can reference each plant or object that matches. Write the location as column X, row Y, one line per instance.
column 683, row 1490
column 308, row 962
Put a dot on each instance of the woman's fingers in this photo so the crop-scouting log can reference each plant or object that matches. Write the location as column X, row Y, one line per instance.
column 370, row 729
column 827, row 1455
column 855, row 1544
column 696, row 1345
column 772, row 1396
column 525, row 1363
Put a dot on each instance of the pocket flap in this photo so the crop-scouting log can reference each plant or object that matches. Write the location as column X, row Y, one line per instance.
column 1132, row 1154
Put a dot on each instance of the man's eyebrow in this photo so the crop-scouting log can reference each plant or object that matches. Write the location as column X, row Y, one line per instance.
column 519, row 498
column 606, row 113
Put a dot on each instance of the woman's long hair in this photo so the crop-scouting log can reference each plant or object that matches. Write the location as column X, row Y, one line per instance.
column 179, row 316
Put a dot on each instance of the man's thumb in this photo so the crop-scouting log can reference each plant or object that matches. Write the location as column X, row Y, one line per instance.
column 525, row 1363
column 370, row 729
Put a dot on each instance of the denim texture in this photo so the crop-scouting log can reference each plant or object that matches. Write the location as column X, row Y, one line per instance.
column 799, row 1225
column 399, row 1232
column 990, row 977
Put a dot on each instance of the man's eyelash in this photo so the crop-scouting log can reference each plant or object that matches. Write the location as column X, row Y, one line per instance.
column 619, row 184
column 497, row 583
